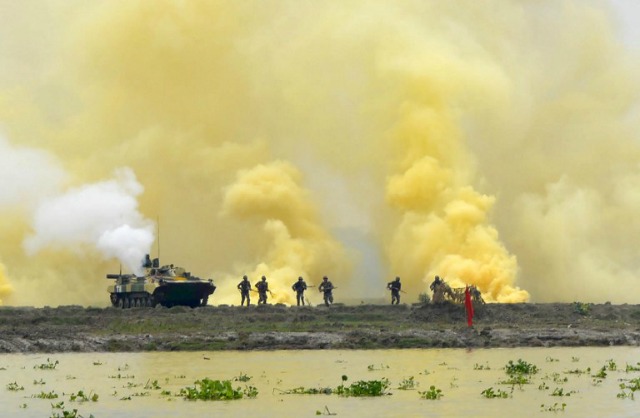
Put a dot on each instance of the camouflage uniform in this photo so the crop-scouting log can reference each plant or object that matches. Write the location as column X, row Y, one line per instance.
column 263, row 288
column 245, row 287
column 299, row 287
column 395, row 287
column 439, row 287
column 327, row 287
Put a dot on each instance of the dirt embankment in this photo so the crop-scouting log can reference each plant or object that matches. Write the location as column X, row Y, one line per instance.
column 80, row 329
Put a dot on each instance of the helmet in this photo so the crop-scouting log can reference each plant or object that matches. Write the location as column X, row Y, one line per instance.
column 397, row 279
column 299, row 279
column 264, row 278
column 245, row 278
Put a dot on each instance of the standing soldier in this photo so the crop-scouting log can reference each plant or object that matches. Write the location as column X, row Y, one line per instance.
column 263, row 288
column 395, row 287
column 327, row 287
column 300, row 286
column 245, row 286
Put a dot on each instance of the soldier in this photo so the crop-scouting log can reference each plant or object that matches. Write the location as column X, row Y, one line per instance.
column 263, row 288
column 245, row 287
column 395, row 287
column 299, row 287
column 327, row 287
column 439, row 288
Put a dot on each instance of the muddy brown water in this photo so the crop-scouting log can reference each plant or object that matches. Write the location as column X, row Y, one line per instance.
column 120, row 378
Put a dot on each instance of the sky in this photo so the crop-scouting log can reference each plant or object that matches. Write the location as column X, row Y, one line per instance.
column 493, row 145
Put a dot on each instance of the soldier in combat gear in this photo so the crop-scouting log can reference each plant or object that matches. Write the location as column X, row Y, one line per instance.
column 300, row 286
column 395, row 287
column 263, row 288
column 327, row 287
column 245, row 287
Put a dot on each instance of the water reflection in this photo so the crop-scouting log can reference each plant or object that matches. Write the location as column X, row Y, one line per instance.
column 126, row 384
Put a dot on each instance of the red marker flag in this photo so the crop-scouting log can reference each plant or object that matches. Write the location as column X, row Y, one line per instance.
column 468, row 306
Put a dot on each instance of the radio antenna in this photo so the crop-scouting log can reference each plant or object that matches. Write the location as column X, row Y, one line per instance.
column 158, row 228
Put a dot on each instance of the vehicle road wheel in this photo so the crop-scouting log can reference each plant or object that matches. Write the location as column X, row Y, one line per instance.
column 121, row 303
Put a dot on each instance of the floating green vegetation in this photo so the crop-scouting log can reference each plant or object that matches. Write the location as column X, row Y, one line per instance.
column 22, row 406
column 561, row 392
column 14, row 387
column 69, row 414
column 551, row 359
column 575, row 359
column 517, row 379
column 242, row 378
column 543, row 386
column 582, row 308
column 477, row 366
column 602, row 374
column 80, row 396
column 556, row 407
column 373, row 368
column 39, row 382
column 489, row 393
column 432, row 394
column 59, row 405
column 632, row 368
column 625, row 395
column 97, row 363
column 363, row 387
column 165, row 393
column 611, row 365
column 633, row 384
column 408, row 384
column 579, row 371
column 49, row 365
column 556, row 378
column 45, row 395
column 124, row 367
column 520, row 367
column 152, row 385
column 216, row 390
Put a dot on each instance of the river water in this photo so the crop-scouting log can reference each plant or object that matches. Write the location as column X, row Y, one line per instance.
column 119, row 379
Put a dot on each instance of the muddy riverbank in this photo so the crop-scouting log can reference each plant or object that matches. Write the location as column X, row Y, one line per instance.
column 78, row 329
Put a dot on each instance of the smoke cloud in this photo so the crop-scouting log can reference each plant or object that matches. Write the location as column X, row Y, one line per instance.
column 493, row 145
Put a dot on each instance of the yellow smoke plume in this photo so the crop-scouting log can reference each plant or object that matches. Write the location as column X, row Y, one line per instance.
column 5, row 287
column 493, row 144
column 295, row 244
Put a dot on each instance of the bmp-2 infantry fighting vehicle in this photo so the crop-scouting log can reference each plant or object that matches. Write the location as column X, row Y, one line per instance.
column 166, row 285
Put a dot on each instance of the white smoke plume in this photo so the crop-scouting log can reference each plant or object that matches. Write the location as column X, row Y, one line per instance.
column 104, row 215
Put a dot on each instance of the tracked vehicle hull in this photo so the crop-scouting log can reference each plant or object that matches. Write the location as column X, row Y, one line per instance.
column 167, row 286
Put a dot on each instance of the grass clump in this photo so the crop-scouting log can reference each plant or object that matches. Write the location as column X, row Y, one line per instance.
column 49, row 365
column 216, row 390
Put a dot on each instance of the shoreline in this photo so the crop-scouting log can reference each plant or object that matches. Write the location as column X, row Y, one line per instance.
column 278, row 327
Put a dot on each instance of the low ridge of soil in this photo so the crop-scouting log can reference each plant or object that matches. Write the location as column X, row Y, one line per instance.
column 78, row 329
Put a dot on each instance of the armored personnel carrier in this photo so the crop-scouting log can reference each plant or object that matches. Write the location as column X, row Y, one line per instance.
column 167, row 285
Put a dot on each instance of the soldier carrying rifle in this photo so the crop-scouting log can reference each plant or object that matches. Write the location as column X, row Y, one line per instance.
column 245, row 286
column 327, row 287
column 299, row 287
column 395, row 287
column 263, row 288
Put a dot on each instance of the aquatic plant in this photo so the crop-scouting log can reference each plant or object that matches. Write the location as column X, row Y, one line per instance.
column 477, row 366
column 632, row 368
column 561, row 392
column 242, row 378
column 543, row 386
column 14, row 387
column 46, row 395
column 49, row 365
column 432, row 394
column 408, row 384
column 215, row 390
column 520, row 367
column 363, row 387
column 489, row 393
column 602, row 374
column 575, row 359
column 633, row 384
column 579, row 371
column 549, row 359
column 301, row 390
column 611, row 365
column 83, row 397
column 69, row 414
column 39, row 382
column 152, row 385
column 553, row 408
column 373, row 368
